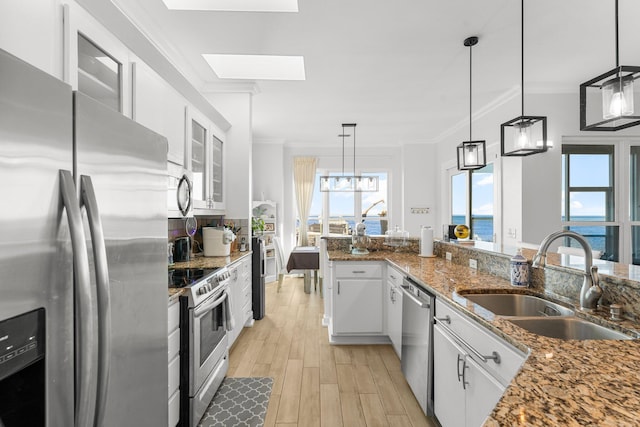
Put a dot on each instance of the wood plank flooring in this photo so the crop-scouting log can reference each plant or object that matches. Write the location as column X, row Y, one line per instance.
column 317, row 384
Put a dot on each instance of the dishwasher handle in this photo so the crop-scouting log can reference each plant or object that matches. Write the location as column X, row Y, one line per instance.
column 406, row 286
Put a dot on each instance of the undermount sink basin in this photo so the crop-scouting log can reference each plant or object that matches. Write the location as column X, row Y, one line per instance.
column 518, row 305
column 568, row 328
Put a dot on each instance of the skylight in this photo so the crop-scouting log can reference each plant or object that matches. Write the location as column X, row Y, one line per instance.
column 234, row 5
column 257, row 67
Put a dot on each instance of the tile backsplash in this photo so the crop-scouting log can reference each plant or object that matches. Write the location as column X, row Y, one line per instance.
column 176, row 228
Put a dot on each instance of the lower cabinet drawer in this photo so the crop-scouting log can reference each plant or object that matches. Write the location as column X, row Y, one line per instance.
column 174, row 344
column 360, row 270
column 174, row 376
column 174, row 409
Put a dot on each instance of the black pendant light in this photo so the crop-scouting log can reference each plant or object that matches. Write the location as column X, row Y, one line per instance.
column 471, row 154
column 607, row 101
column 524, row 135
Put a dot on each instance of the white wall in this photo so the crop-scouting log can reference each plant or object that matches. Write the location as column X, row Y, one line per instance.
column 419, row 187
column 268, row 176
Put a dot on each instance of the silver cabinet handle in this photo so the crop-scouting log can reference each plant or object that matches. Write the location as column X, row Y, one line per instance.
column 493, row 356
column 358, row 271
column 86, row 345
column 392, row 276
column 338, row 287
column 89, row 201
column 421, row 304
column 465, row 383
column 445, row 319
column 460, row 359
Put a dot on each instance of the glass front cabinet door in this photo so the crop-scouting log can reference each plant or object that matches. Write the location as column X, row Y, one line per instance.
column 206, row 163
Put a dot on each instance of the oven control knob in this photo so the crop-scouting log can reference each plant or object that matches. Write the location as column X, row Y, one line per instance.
column 201, row 291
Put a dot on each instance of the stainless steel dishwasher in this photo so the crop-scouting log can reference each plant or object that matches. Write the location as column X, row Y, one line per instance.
column 417, row 342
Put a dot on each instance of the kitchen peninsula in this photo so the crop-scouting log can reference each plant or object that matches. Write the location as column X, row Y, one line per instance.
column 562, row 382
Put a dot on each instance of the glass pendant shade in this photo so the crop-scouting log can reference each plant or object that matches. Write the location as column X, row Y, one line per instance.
column 348, row 183
column 617, row 97
column 472, row 155
column 607, row 103
column 523, row 136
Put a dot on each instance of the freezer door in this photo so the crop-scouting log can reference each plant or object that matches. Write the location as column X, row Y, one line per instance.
column 35, row 248
column 127, row 164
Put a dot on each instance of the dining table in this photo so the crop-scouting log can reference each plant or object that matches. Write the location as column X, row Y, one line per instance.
column 305, row 258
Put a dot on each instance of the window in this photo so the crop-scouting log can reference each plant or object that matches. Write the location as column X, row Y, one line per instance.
column 472, row 197
column 588, row 208
column 344, row 209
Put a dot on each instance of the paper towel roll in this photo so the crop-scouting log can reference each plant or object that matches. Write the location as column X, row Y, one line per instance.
column 426, row 242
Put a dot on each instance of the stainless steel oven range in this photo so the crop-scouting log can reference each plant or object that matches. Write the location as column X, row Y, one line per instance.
column 204, row 321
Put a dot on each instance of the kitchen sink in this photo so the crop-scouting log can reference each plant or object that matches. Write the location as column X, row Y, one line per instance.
column 568, row 328
column 518, row 305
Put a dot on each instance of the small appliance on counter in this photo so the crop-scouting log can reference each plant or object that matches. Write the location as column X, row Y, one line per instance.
column 182, row 249
column 217, row 241
column 359, row 240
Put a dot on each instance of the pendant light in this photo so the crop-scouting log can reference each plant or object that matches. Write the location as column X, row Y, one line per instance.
column 349, row 183
column 471, row 154
column 607, row 101
column 524, row 135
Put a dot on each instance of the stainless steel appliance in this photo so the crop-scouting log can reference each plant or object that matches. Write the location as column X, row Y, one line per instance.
column 257, row 277
column 96, row 238
column 205, row 320
column 417, row 342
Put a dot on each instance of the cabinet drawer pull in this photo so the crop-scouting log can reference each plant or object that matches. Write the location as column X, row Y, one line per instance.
column 358, row 271
column 445, row 319
column 338, row 287
column 493, row 356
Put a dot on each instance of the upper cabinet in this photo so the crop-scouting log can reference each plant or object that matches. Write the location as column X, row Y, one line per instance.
column 159, row 107
column 205, row 161
column 99, row 74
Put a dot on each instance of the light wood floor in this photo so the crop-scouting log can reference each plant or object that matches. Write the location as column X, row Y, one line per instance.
column 315, row 383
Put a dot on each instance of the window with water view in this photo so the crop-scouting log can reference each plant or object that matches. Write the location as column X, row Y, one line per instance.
column 346, row 208
column 477, row 203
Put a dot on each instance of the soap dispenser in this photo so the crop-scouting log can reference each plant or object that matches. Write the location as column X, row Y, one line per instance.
column 519, row 270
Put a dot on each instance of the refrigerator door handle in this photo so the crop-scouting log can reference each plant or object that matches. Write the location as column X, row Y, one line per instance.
column 89, row 201
column 86, row 345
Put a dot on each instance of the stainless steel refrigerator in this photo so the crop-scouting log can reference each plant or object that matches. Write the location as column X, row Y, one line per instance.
column 83, row 235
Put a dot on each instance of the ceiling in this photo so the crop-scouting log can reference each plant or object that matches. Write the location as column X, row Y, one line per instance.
column 396, row 68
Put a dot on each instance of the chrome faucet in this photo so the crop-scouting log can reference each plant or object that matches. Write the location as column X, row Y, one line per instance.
column 591, row 290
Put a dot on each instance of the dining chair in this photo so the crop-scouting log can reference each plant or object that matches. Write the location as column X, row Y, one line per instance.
column 281, row 268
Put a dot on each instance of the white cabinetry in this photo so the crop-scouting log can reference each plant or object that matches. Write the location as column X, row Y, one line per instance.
column 394, row 308
column 205, row 161
column 173, row 328
column 160, row 108
column 266, row 210
column 357, row 302
column 240, row 294
column 472, row 368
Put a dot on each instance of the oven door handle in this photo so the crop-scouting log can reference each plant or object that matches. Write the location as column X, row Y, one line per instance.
column 203, row 309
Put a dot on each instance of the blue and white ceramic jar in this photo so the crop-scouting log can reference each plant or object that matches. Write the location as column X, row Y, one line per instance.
column 519, row 270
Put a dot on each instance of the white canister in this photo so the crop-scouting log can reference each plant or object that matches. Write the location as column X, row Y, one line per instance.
column 214, row 241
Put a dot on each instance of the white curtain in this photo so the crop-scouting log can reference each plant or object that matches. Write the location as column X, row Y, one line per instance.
column 304, row 175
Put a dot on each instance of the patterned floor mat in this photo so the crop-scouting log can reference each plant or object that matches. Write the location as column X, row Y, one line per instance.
column 239, row 402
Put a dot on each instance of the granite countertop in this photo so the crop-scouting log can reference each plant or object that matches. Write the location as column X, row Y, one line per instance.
column 200, row 261
column 569, row 383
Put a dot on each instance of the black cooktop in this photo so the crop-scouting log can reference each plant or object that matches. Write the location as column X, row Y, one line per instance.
column 181, row 278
